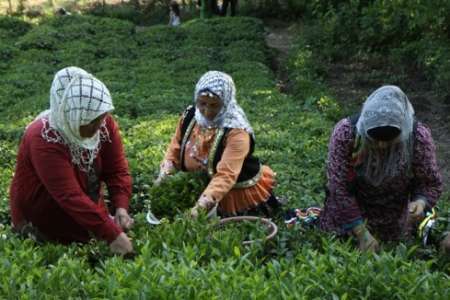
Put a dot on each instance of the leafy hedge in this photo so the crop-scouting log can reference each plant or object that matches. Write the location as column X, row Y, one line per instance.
column 414, row 33
column 151, row 75
column 175, row 194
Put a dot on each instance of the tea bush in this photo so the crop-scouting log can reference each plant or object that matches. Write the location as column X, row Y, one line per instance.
column 12, row 27
column 151, row 75
column 176, row 194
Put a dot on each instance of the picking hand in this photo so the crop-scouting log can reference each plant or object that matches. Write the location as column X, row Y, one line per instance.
column 445, row 244
column 158, row 180
column 121, row 245
column 203, row 203
column 166, row 168
column 366, row 241
column 416, row 210
column 195, row 212
column 123, row 219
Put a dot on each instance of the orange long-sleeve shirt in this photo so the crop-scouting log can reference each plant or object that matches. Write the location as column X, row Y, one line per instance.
column 220, row 188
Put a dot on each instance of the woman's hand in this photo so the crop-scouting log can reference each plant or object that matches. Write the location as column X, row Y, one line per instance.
column 416, row 211
column 203, row 203
column 166, row 168
column 158, row 180
column 445, row 244
column 366, row 241
column 123, row 219
column 121, row 245
column 195, row 211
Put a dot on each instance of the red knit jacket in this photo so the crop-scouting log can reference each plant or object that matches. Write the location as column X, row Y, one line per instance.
column 50, row 192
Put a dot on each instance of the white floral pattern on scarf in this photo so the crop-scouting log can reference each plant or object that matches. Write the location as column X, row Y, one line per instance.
column 231, row 115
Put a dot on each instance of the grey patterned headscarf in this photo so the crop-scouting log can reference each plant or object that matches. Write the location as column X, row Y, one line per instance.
column 387, row 106
column 231, row 115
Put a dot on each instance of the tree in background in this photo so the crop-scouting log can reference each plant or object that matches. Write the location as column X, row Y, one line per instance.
column 21, row 7
column 135, row 3
column 210, row 8
column 233, row 4
column 10, row 8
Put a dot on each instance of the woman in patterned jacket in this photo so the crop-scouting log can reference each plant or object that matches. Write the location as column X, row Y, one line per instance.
column 382, row 171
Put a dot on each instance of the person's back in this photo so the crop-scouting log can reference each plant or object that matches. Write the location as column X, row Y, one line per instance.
column 233, row 4
column 382, row 173
column 174, row 15
column 62, row 12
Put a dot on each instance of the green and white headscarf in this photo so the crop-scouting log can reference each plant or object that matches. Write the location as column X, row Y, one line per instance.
column 76, row 99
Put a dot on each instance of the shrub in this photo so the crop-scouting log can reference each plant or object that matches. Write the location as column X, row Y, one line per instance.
column 14, row 26
column 176, row 193
column 43, row 37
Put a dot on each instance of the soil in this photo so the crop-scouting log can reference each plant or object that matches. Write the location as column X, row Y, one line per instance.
column 280, row 37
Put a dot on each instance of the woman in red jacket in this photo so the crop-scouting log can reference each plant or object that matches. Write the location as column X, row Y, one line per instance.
column 64, row 156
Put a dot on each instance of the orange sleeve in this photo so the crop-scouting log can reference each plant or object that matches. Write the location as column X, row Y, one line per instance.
column 173, row 150
column 237, row 146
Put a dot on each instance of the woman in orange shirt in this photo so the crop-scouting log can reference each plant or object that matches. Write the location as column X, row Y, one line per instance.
column 215, row 136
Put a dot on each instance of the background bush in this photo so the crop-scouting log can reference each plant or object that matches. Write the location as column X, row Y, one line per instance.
column 413, row 33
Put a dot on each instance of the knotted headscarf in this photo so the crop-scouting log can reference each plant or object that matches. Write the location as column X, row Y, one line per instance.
column 231, row 114
column 76, row 98
column 387, row 106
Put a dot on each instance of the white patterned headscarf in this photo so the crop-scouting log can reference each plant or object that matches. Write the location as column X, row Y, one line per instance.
column 76, row 98
column 231, row 115
column 387, row 106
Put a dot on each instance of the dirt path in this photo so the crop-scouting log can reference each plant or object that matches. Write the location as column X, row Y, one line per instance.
column 280, row 37
column 351, row 82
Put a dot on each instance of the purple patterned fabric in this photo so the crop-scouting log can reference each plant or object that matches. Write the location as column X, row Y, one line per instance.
column 384, row 208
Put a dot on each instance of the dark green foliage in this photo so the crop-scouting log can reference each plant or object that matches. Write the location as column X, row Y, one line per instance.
column 6, row 55
column 280, row 9
column 7, row 52
column 413, row 32
column 10, row 30
column 13, row 27
column 124, row 11
column 432, row 56
column 43, row 37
